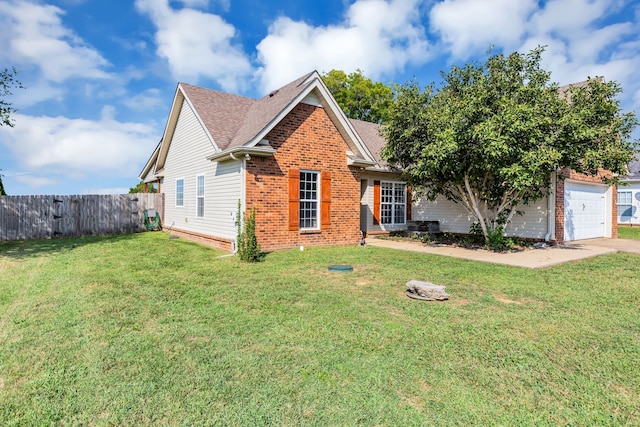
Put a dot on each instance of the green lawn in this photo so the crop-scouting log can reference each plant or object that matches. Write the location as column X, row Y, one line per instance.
column 629, row 232
column 143, row 330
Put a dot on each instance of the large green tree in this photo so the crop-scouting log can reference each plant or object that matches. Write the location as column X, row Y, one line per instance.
column 360, row 97
column 139, row 188
column 490, row 136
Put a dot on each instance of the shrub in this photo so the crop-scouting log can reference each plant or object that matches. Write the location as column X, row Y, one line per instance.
column 248, row 247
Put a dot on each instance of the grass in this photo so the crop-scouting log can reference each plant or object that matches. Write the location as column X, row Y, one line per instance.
column 142, row 330
column 629, row 232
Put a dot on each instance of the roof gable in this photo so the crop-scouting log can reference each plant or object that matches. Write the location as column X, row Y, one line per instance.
column 232, row 122
column 222, row 114
column 266, row 112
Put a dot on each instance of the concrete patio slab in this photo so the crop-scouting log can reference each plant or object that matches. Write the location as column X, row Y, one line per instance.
column 530, row 258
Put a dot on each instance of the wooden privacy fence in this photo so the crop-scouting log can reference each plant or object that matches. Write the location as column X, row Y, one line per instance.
column 43, row 217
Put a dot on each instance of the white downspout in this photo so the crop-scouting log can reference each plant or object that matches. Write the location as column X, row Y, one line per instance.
column 243, row 190
column 551, row 209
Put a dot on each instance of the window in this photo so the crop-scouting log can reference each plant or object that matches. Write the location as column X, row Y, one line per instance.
column 200, row 196
column 393, row 203
column 309, row 200
column 179, row 192
column 625, row 206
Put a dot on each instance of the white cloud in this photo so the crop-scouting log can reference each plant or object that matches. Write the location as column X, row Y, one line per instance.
column 150, row 99
column 378, row 36
column 197, row 45
column 567, row 16
column 36, row 91
column 468, row 27
column 79, row 147
column 581, row 40
column 33, row 35
column 34, row 181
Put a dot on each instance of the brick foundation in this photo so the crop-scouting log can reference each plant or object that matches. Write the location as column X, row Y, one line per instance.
column 305, row 139
column 205, row 239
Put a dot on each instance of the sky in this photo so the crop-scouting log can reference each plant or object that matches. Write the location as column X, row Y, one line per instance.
column 100, row 76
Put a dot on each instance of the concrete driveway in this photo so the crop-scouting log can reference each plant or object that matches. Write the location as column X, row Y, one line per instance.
column 530, row 258
column 620, row 245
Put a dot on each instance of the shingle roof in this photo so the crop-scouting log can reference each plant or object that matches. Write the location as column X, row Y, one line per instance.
column 370, row 135
column 634, row 168
column 267, row 108
column 234, row 120
column 566, row 89
column 222, row 113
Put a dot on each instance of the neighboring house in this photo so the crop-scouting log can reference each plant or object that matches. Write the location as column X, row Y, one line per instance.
column 316, row 177
column 629, row 196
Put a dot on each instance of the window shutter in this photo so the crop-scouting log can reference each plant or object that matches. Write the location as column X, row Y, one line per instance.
column 294, row 199
column 325, row 200
column 409, row 203
column 376, row 202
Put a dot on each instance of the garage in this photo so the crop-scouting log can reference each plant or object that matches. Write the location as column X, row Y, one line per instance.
column 585, row 211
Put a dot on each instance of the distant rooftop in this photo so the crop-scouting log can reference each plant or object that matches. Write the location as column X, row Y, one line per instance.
column 634, row 168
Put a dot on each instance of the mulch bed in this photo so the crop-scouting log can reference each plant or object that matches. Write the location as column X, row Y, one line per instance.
column 466, row 241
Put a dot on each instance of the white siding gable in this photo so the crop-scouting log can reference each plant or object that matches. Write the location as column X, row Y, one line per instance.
column 186, row 159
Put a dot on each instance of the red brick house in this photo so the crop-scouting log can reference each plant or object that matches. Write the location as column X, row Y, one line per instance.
column 314, row 176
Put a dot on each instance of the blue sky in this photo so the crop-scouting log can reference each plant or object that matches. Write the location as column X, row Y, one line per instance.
column 100, row 75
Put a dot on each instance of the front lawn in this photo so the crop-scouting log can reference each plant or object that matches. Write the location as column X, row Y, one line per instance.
column 625, row 232
column 143, row 330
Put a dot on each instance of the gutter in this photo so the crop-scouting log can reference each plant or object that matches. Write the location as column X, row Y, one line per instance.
column 240, row 153
column 358, row 162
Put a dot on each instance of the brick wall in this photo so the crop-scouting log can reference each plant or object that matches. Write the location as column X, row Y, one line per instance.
column 560, row 183
column 305, row 139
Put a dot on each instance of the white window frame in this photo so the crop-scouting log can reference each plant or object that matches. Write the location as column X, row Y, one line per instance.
column 309, row 216
column 626, row 204
column 181, row 204
column 390, row 206
column 200, row 192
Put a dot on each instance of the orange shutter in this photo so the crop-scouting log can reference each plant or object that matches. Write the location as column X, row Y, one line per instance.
column 294, row 199
column 325, row 200
column 409, row 202
column 376, row 202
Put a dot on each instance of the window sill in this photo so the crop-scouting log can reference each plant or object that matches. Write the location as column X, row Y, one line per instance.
column 310, row 231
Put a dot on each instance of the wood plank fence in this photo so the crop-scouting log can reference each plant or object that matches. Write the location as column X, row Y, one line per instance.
column 44, row 217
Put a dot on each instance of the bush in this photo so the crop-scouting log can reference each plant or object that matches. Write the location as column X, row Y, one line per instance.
column 496, row 240
column 248, row 247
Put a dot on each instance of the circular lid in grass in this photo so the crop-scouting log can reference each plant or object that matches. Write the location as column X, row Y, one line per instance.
column 340, row 268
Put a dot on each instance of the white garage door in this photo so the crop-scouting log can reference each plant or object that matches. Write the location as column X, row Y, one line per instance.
column 584, row 211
